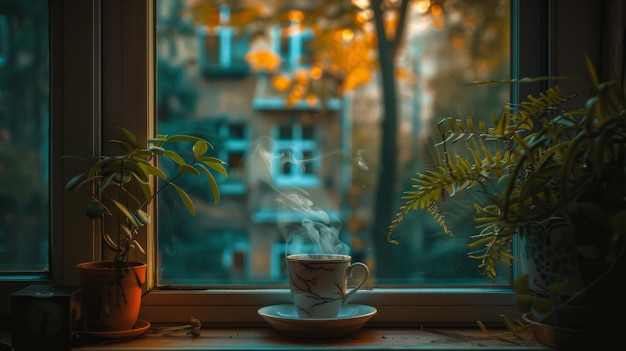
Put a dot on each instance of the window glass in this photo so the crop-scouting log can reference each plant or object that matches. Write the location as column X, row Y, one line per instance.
column 24, row 135
column 303, row 117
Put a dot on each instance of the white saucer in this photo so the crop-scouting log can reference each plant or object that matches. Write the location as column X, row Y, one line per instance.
column 284, row 318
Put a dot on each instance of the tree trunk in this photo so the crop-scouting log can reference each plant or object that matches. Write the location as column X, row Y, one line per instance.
column 383, row 204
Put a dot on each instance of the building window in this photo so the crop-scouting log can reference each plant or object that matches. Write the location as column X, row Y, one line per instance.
column 222, row 48
column 292, row 42
column 297, row 156
column 235, row 142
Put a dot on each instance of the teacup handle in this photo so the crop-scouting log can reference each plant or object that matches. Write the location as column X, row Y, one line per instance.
column 366, row 273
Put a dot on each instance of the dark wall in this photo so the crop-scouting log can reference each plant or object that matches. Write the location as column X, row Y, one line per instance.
column 593, row 28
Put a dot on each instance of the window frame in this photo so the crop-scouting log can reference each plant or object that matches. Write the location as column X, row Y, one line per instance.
column 399, row 307
column 126, row 97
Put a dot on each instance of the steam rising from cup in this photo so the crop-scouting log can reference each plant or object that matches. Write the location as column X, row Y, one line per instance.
column 308, row 229
column 305, row 227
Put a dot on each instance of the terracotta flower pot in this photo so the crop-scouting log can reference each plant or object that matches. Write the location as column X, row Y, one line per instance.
column 554, row 336
column 109, row 298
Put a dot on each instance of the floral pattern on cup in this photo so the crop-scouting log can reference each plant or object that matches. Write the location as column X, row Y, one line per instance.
column 319, row 283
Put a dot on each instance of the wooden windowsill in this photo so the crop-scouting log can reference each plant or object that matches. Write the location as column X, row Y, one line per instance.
column 270, row 339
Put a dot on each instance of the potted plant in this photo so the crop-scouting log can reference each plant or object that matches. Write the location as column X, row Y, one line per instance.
column 553, row 175
column 123, row 185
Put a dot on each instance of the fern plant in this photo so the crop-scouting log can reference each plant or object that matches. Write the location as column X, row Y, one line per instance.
column 533, row 162
column 122, row 185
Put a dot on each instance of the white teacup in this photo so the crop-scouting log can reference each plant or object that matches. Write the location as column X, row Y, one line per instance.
column 319, row 283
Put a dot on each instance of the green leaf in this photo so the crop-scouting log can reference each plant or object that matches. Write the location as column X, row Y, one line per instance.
column 156, row 149
column 174, row 157
column 126, row 212
column 215, row 163
column 560, row 287
column 127, row 231
column 212, row 182
column 179, row 138
column 150, row 169
column 200, row 148
column 145, row 189
column 142, row 216
column 109, row 241
column 541, row 304
column 138, row 246
column 159, row 140
column 524, row 303
column 185, row 168
column 185, row 197
column 74, row 182
column 129, row 135
column 521, row 284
